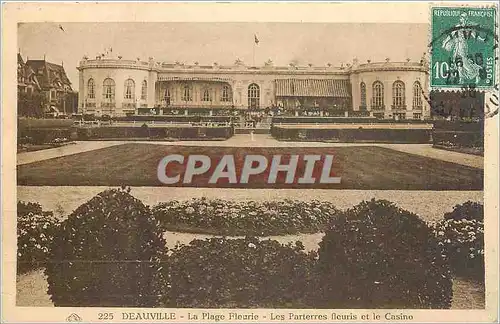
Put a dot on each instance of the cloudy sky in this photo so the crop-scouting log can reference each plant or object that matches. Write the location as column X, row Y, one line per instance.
column 206, row 43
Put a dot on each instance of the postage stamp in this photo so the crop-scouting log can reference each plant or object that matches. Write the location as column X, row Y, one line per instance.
column 464, row 42
column 249, row 163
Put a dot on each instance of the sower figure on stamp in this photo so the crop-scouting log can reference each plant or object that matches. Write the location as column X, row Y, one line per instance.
column 456, row 42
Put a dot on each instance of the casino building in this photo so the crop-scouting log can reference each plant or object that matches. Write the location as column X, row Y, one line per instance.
column 118, row 87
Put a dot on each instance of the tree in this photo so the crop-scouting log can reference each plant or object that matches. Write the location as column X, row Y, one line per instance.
column 31, row 104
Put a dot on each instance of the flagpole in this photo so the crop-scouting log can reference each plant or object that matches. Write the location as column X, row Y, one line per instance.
column 253, row 54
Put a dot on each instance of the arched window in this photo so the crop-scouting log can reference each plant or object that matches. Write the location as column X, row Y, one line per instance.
column 129, row 89
column 378, row 95
column 226, row 94
column 398, row 94
column 362, row 89
column 417, row 95
column 253, row 96
column 207, row 95
column 91, row 89
column 187, row 93
column 108, row 89
column 166, row 97
column 144, row 90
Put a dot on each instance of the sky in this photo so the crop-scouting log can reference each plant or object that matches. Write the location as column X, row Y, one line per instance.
column 206, row 43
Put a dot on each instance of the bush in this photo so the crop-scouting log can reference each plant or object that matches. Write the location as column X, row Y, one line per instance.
column 376, row 255
column 240, row 273
column 108, row 252
column 469, row 210
column 35, row 232
column 461, row 234
column 215, row 216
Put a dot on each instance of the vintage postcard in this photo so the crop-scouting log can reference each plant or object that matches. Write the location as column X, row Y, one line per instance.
column 250, row 162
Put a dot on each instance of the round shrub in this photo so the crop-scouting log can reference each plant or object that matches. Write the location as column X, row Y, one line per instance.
column 35, row 232
column 376, row 255
column 108, row 252
column 469, row 210
column 222, row 217
column 461, row 234
column 240, row 273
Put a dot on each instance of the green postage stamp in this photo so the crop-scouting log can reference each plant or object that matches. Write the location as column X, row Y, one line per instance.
column 463, row 46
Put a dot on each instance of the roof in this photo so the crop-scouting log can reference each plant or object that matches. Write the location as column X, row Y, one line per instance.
column 20, row 59
column 26, row 73
column 312, row 88
column 49, row 75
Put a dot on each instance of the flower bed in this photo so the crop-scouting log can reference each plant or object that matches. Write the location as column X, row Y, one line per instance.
column 115, row 241
column 461, row 233
column 35, row 233
column 222, row 217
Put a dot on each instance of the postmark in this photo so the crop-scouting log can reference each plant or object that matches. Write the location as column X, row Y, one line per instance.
column 463, row 48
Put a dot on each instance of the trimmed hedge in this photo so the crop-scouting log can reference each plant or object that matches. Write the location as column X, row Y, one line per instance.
column 461, row 233
column 155, row 132
column 353, row 135
column 108, row 252
column 44, row 135
column 376, row 255
column 458, row 139
column 175, row 118
column 240, row 273
column 222, row 217
column 341, row 120
column 35, row 233
column 461, row 126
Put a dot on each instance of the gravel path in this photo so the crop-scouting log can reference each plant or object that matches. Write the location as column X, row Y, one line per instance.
column 78, row 147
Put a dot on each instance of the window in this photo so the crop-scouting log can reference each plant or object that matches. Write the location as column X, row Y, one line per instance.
column 398, row 94
column 378, row 95
column 91, row 89
column 167, row 96
column 129, row 89
column 187, row 93
column 417, row 95
column 144, row 90
column 253, row 96
column 226, row 94
column 108, row 89
column 207, row 95
column 399, row 116
column 363, row 94
column 52, row 94
column 417, row 115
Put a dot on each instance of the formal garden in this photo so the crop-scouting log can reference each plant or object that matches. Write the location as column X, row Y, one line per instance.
column 111, row 251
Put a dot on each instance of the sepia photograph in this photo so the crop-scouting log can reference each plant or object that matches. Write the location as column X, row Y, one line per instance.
column 255, row 170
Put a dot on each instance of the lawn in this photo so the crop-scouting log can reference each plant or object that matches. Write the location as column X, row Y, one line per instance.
column 360, row 167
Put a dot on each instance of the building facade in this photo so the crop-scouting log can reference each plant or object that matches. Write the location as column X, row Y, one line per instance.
column 118, row 87
column 46, row 85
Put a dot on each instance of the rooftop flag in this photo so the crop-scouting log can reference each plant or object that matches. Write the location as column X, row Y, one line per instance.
column 256, row 39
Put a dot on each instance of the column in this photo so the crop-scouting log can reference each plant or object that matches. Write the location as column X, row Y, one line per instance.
column 82, row 96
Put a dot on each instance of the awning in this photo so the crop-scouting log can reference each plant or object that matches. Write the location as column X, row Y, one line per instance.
column 191, row 78
column 312, row 88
